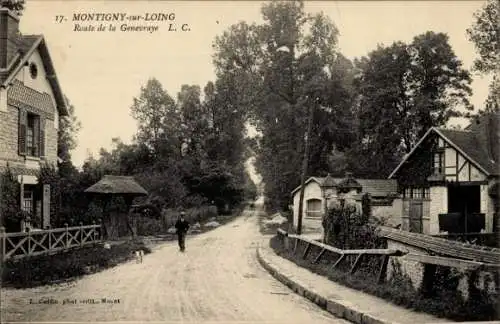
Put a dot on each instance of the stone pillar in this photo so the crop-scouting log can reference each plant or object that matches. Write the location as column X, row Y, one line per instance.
column 438, row 205
column 486, row 209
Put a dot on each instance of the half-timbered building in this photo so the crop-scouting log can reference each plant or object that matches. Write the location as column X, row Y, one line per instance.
column 449, row 180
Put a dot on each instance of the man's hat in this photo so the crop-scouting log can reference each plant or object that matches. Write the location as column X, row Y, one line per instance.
column 183, row 213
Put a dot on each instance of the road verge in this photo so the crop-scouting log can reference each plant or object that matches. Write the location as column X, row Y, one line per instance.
column 338, row 308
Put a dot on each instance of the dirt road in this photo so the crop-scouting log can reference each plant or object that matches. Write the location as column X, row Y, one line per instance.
column 217, row 279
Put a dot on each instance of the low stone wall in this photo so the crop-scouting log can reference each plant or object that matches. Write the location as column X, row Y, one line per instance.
column 430, row 265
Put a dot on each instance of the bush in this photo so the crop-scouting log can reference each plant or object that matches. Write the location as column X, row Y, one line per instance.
column 193, row 215
column 50, row 269
column 149, row 226
column 10, row 210
column 345, row 228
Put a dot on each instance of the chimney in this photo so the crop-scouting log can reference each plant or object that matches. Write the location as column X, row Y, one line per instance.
column 9, row 30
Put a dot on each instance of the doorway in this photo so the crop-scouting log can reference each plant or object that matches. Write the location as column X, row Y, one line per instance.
column 466, row 201
column 416, row 211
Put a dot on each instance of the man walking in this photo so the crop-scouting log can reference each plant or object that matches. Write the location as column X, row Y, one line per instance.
column 182, row 227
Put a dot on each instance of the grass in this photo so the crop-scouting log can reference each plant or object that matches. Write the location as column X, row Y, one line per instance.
column 72, row 264
column 446, row 304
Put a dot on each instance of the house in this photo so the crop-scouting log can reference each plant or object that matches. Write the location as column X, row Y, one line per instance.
column 31, row 102
column 449, row 180
column 321, row 193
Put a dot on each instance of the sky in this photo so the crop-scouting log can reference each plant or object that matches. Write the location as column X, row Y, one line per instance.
column 102, row 71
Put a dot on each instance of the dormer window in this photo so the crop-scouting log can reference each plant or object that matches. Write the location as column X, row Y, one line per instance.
column 33, row 70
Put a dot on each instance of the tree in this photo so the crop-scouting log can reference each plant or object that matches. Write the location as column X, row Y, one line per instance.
column 69, row 126
column 288, row 66
column 194, row 120
column 404, row 89
column 158, row 120
column 485, row 33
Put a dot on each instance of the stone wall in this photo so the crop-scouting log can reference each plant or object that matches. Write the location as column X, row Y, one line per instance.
column 414, row 270
column 391, row 213
column 484, row 279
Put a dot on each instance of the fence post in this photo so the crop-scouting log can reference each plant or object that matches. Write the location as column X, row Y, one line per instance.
column 81, row 234
column 101, row 229
column 50, row 238
column 2, row 243
column 29, row 241
column 67, row 236
column 93, row 231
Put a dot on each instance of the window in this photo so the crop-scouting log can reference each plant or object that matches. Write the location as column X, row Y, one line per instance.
column 30, row 135
column 314, row 208
column 416, row 193
column 438, row 162
column 33, row 70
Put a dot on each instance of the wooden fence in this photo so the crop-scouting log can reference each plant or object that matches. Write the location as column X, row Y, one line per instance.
column 36, row 242
column 342, row 255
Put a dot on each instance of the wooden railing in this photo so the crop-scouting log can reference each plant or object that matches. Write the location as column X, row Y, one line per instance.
column 35, row 242
column 443, row 247
column 482, row 239
column 342, row 255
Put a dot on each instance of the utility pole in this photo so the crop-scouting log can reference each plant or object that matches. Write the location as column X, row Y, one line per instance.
column 305, row 163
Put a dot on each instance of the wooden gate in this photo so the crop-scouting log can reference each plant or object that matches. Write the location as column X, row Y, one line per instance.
column 416, row 208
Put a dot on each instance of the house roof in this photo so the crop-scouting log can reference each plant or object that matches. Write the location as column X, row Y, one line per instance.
column 379, row 187
column 478, row 143
column 18, row 92
column 110, row 184
column 375, row 187
column 26, row 46
column 469, row 143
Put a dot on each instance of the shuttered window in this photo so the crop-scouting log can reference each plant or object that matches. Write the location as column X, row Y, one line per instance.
column 31, row 134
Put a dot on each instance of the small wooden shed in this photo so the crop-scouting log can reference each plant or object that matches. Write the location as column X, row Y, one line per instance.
column 116, row 186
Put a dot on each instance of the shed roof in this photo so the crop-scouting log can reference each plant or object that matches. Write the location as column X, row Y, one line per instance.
column 111, row 184
column 375, row 187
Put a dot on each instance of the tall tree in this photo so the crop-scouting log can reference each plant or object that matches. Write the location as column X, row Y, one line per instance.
column 405, row 89
column 288, row 66
column 485, row 33
column 194, row 119
column 158, row 119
